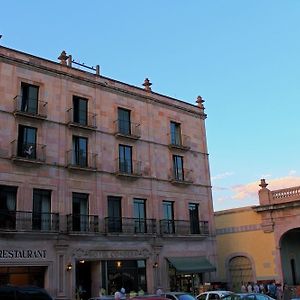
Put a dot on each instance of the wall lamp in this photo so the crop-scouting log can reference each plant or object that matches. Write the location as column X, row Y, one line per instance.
column 69, row 267
column 155, row 265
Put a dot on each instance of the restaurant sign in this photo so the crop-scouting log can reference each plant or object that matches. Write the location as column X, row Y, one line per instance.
column 23, row 254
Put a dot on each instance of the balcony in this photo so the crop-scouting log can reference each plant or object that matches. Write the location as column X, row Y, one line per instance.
column 127, row 129
column 81, row 160
column 28, row 221
column 181, row 176
column 80, row 223
column 183, row 228
column 30, row 107
column 128, row 168
column 81, row 120
column 28, row 152
column 182, row 142
column 130, row 226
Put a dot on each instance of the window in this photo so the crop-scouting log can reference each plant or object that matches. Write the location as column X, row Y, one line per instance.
column 27, row 142
column 125, row 159
column 80, row 109
column 8, row 207
column 80, row 145
column 178, row 168
column 114, row 214
column 176, row 134
column 168, row 211
column 41, row 211
column 124, row 123
column 80, row 212
column 29, row 98
column 194, row 218
column 139, row 208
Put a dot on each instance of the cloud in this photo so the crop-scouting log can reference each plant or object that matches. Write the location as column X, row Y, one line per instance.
column 222, row 175
column 250, row 190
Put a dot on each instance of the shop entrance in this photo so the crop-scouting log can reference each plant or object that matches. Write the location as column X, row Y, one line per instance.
column 19, row 276
column 83, row 280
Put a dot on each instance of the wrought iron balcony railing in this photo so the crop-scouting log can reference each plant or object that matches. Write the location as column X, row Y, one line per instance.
column 182, row 142
column 82, row 223
column 81, row 159
column 28, row 151
column 124, row 128
column 30, row 107
column 184, row 228
column 81, row 119
column 132, row 168
column 181, row 176
column 11, row 220
column 130, row 225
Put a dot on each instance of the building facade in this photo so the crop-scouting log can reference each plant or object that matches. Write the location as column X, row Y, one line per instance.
column 261, row 243
column 102, row 184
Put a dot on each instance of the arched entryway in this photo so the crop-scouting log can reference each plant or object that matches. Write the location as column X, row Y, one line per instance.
column 290, row 256
column 240, row 270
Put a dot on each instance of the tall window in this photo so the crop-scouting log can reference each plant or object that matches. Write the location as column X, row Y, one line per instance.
column 27, row 142
column 178, row 167
column 80, row 145
column 114, row 214
column 8, row 207
column 168, row 211
column 124, row 122
column 41, row 211
column 80, row 211
column 29, row 98
column 175, row 134
column 80, row 110
column 194, row 218
column 125, row 159
column 140, row 215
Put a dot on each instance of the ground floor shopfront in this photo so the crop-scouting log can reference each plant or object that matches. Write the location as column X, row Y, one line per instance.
column 77, row 268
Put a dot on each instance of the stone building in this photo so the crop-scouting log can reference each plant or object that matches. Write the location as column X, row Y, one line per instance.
column 260, row 243
column 102, row 184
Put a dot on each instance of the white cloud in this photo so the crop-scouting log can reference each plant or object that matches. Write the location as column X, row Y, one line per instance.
column 222, row 175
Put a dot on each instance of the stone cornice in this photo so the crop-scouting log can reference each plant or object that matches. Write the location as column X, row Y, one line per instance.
column 277, row 206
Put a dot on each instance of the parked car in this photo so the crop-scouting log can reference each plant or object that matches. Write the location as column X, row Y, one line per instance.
column 178, row 296
column 103, row 297
column 247, row 296
column 11, row 292
column 213, row 295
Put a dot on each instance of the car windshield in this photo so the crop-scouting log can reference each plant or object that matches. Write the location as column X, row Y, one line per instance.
column 185, row 297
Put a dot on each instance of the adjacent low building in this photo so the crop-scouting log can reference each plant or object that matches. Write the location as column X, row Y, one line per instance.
column 102, row 184
column 260, row 243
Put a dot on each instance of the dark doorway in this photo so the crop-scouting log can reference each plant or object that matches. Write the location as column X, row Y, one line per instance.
column 83, row 279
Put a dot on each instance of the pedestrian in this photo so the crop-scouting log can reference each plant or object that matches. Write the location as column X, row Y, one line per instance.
column 255, row 288
column 243, row 288
column 286, row 294
column 279, row 291
column 120, row 295
column 272, row 289
column 249, row 287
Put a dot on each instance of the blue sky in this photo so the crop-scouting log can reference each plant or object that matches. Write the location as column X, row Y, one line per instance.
column 241, row 56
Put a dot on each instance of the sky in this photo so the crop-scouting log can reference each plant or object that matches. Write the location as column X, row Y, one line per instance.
column 241, row 56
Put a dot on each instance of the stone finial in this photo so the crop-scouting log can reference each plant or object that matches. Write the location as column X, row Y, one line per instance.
column 200, row 102
column 147, row 84
column 63, row 57
column 263, row 183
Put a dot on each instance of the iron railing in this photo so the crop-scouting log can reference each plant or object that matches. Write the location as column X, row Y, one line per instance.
column 181, row 142
column 30, row 106
column 81, row 159
column 128, row 167
column 82, row 223
column 28, row 221
column 130, row 225
column 180, row 227
column 28, row 151
column 127, row 129
column 181, row 175
column 81, row 118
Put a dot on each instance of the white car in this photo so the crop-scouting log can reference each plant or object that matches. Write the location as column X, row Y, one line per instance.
column 213, row 295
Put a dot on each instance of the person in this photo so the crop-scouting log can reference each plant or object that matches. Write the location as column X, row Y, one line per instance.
column 286, row 294
column 256, row 288
column 249, row 287
column 141, row 292
column 243, row 288
column 272, row 289
column 120, row 295
column 159, row 291
column 279, row 291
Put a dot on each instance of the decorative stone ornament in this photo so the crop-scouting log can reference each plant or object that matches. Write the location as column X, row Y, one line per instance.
column 200, row 102
column 63, row 57
column 263, row 183
column 147, row 84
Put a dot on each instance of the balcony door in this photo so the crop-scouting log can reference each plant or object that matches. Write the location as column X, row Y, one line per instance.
column 168, row 211
column 27, row 142
column 194, row 218
column 80, row 110
column 140, row 215
column 41, row 211
column 8, row 207
column 178, row 167
column 124, row 121
column 175, row 134
column 80, row 212
column 80, row 145
column 29, row 98
column 114, row 214
column 125, row 159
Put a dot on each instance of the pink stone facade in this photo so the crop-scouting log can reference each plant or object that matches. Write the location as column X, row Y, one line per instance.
column 151, row 178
